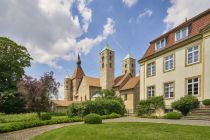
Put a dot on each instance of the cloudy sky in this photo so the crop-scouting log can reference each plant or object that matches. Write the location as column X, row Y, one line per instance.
column 55, row 31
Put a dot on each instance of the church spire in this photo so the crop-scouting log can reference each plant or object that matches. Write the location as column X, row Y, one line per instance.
column 78, row 60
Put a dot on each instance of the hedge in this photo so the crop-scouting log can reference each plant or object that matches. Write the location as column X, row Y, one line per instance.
column 7, row 127
column 100, row 106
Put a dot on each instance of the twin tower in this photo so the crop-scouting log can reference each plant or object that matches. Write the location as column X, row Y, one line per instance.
column 107, row 76
column 107, row 67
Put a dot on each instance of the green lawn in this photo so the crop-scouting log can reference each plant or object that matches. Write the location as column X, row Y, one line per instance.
column 128, row 131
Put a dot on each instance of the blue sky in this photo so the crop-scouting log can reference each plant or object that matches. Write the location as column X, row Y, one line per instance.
column 54, row 31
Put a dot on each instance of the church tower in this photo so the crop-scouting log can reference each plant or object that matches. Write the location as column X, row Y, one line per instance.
column 129, row 65
column 77, row 78
column 68, row 95
column 107, row 68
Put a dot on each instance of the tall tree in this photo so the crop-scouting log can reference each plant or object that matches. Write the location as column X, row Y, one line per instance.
column 13, row 59
column 39, row 92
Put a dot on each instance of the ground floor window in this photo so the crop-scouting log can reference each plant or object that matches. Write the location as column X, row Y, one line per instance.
column 169, row 90
column 151, row 91
column 168, row 110
column 193, row 86
column 125, row 97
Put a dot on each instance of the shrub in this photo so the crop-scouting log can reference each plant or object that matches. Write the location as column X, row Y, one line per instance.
column 111, row 116
column 18, row 117
column 173, row 115
column 206, row 102
column 93, row 119
column 185, row 104
column 7, row 127
column 149, row 106
column 99, row 106
column 46, row 116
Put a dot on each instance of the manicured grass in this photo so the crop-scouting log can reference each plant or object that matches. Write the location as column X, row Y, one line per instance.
column 128, row 131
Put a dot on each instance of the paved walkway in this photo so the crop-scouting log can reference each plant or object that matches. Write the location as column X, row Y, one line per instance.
column 27, row 134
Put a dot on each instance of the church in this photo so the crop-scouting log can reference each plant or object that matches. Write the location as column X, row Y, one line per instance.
column 81, row 87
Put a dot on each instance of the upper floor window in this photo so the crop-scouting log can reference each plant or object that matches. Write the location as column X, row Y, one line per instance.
column 181, row 34
column 193, row 55
column 110, row 57
column 151, row 91
column 125, row 65
column 193, row 86
column 169, row 90
column 161, row 44
column 151, row 69
column 169, row 63
column 110, row 65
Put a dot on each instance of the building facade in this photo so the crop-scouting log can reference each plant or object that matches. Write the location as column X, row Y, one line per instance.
column 79, row 87
column 178, row 62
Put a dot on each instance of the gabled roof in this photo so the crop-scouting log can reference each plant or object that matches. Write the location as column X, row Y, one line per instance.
column 196, row 24
column 94, row 82
column 78, row 72
column 132, row 83
column 121, row 80
column 62, row 103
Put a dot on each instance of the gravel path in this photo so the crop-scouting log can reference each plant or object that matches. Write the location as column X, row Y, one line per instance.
column 27, row 134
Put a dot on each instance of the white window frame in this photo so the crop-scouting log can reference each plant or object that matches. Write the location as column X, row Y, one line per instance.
column 181, row 33
column 193, row 85
column 151, row 69
column 170, row 57
column 193, row 54
column 169, row 87
column 151, row 91
column 161, row 45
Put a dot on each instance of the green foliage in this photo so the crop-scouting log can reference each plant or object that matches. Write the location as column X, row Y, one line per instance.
column 13, row 59
column 99, row 106
column 18, row 117
column 93, row 119
column 46, row 116
column 111, row 116
column 206, row 102
column 149, row 106
column 7, row 127
column 185, row 104
column 11, row 102
column 58, row 113
column 173, row 115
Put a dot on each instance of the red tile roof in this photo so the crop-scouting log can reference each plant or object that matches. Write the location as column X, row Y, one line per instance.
column 94, row 82
column 121, row 80
column 196, row 24
column 132, row 83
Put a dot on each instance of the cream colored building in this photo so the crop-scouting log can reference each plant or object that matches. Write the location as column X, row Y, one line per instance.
column 178, row 62
column 79, row 87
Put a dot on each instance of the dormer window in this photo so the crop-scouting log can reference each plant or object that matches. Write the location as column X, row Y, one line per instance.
column 161, row 44
column 181, row 34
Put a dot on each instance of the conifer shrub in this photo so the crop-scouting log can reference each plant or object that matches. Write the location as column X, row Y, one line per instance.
column 93, row 119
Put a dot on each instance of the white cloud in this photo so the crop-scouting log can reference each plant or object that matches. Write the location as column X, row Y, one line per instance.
column 181, row 9
column 48, row 28
column 129, row 3
column 145, row 13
